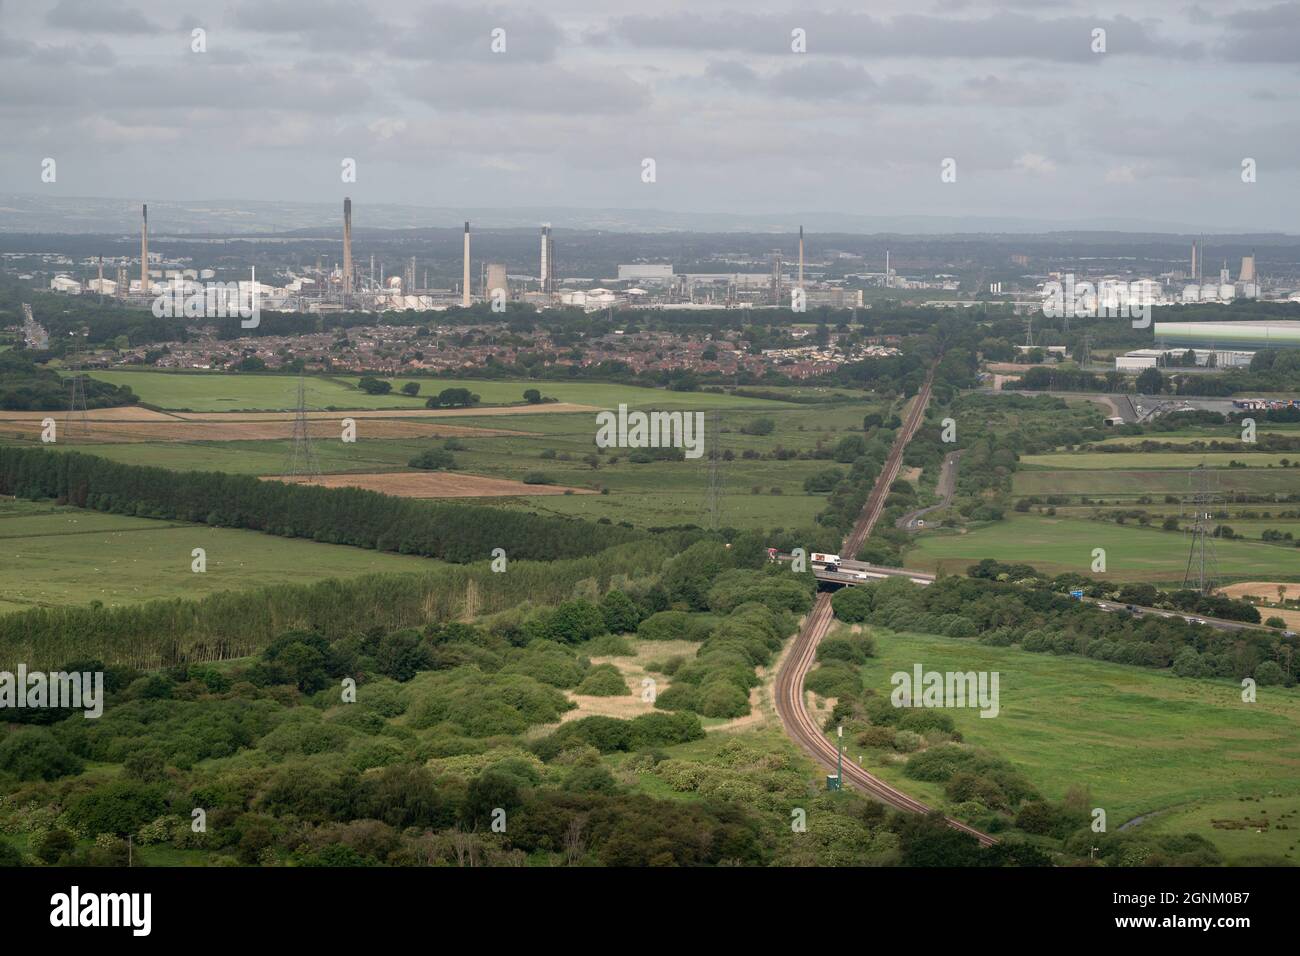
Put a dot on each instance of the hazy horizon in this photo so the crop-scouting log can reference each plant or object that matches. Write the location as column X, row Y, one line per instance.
column 1043, row 125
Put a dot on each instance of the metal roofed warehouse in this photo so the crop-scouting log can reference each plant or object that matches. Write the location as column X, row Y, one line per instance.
column 1247, row 335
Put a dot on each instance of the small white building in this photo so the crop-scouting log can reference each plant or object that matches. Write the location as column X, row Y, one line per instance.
column 65, row 284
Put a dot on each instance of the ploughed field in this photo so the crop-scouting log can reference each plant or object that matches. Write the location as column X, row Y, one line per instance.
column 431, row 484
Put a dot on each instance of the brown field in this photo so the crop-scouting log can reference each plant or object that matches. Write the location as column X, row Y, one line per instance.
column 389, row 413
column 431, row 484
column 1264, row 589
column 126, row 413
column 1267, row 590
column 183, row 431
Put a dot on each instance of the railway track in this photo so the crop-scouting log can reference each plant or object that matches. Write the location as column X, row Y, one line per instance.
column 790, row 704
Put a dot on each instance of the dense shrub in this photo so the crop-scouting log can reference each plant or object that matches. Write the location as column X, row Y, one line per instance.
column 603, row 680
column 34, row 754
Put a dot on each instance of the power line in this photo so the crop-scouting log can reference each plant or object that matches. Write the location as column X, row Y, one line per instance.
column 1202, row 565
column 302, row 457
column 76, row 418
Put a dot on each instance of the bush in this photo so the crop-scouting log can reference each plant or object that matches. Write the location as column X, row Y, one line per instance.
column 672, row 626
column 603, row 680
column 655, row 730
column 620, row 612
column 34, row 754
column 1269, row 673
column 570, row 623
column 722, row 699
column 484, row 705
column 854, row 649
column 853, row 605
column 678, row 697
column 120, row 808
column 433, row 459
column 608, row 645
column 834, row 679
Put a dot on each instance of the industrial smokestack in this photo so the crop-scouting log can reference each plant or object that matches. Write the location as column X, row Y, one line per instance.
column 144, row 250
column 464, row 288
column 347, row 247
column 801, row 257
column 546, row 265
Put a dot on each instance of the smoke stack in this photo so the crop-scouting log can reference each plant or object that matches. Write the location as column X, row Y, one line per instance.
column 546, row 265
column 464, row 288
column 801, row 257
column 347, row 247
column 144, row 250
column 888, row 282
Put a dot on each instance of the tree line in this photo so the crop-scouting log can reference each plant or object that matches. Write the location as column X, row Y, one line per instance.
column 364, row 519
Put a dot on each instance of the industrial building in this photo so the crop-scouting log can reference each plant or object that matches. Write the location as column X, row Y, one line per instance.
column 1155, row 358
column 1253, row 334
column 645, row 272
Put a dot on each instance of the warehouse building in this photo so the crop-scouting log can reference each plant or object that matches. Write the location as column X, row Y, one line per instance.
column 1252, row 335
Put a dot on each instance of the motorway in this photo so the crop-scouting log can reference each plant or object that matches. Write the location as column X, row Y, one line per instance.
column 790, row 703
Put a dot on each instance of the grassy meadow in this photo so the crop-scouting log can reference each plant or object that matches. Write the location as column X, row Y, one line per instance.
column 1142, row 741
column 58, row 555
column 226, row 392
column 1056, row 545
column 757, row 492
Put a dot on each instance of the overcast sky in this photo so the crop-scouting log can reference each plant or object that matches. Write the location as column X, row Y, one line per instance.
column 1040, row 126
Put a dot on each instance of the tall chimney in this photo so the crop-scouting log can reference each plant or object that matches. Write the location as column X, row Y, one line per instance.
column 545, row 273
column 801, row 257
column 347, row 248
column 888, row 280
column 144, row 250
column 464, row 288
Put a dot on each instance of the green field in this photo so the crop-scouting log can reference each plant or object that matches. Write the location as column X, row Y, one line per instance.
column 58, row 555
column 1123, row 460
column 226, row 392
column 1120, row 483
column 1057, row 545
column 648, row 494
column 1140, row 740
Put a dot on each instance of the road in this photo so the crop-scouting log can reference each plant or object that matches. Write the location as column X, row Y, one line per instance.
column 946, row 488
column 790, row 703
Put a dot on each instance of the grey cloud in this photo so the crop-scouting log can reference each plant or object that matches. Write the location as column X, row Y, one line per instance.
column 996, row 91
column 98, row 16
column 1267, row 35
column 1002, row 34
column 821, row 80
column 342, row 25
column 445, row 32
column 544, row 88
column 194, row 83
